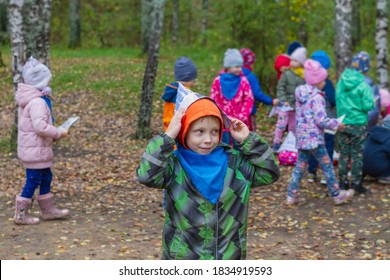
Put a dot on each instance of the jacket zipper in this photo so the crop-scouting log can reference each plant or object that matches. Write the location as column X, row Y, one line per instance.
column 216, row 231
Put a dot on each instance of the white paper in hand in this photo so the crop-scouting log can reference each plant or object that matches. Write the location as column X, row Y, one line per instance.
column 69, row 122
column 333, row 132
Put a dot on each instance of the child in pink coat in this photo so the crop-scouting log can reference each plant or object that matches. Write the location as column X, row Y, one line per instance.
column 232, row 92
column 35, row 139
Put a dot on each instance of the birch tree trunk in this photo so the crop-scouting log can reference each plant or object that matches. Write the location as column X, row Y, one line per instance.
column 75, row 24
column 381, row 44
column 175, row 21
column 343, row 35
column 205, row 4
column 18, row 52
column 145, row 112
column 147, row 23
column 36, row 21
column 29, row 26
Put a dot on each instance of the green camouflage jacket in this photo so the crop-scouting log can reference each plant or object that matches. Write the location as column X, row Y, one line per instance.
column 194, row 228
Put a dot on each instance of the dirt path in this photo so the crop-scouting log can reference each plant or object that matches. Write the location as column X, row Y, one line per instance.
column 114, row 217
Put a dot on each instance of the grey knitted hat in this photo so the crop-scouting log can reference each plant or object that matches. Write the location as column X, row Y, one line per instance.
column 232, row 58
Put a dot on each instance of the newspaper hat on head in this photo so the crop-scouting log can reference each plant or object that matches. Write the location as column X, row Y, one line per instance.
column 197, row 106
column 36, row 74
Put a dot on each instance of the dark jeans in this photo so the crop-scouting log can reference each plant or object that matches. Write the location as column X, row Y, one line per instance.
column 329, row 145
column 35, row 178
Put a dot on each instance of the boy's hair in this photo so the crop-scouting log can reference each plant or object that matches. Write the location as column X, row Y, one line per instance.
column 202, row 107
column 185, row 70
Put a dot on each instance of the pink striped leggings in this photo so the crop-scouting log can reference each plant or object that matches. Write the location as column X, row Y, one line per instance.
column 284, row 119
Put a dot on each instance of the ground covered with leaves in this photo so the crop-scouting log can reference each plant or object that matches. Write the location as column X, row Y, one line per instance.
column 114, row 217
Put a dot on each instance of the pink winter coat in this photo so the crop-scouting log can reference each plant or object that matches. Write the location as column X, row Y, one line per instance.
column 35, row 129
column 240, row 106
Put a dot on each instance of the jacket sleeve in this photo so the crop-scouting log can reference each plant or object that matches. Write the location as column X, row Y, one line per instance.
column 281, row 88
column 320, row 118
column 157, row 166
column 40, row 121
column 259, row 95
column 367, row 97
column 258, row 163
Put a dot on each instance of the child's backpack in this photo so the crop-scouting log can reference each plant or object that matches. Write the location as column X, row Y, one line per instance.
column 288, row 154
column 287, row 157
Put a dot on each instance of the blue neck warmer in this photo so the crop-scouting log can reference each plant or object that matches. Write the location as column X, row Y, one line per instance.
column 207, row 172
column 48, row 102
column 229, row 85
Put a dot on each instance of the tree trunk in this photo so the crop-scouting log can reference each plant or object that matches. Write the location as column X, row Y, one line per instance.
column 75, row 24
column 381, row 44
column 205, row 4
column 175, row 21
column 29, row 26
column 18, row 49
column 147, row 23
column 145, row 112
column 36, row 22
column 343, row 35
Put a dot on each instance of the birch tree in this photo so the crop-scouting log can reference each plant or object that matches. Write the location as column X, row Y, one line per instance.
column 147, row 23
column 145, row 112
column 29, row 28
column 381, row 44
column 18, row 48
column 75, row 24
column 343, row 35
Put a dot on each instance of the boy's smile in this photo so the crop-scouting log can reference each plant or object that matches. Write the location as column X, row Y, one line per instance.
column 203, row 135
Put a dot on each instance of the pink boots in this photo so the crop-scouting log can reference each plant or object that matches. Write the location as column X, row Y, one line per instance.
column 49, row 211
column 21, row 210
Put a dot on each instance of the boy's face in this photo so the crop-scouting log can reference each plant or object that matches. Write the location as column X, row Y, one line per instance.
column 236, row 70
column 188, row 84
column 295, row 64
column 203, row 135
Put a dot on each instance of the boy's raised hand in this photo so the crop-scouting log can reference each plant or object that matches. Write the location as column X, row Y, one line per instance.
column 238, row 130
column 175, row 124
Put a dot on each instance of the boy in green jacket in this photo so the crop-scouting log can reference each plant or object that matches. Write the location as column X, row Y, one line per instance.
column 354, row 98
column 207, row 182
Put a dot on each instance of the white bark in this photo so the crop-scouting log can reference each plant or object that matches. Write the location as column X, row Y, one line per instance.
column 343, row 38
column 381, row 44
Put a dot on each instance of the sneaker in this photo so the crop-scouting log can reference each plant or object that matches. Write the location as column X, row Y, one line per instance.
column 384, row 180
column 359, row 189
column 311, row 177
column 294, row 200
column 323, row 180
column 275, row 147
column 343, row 196
column 344, row 185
